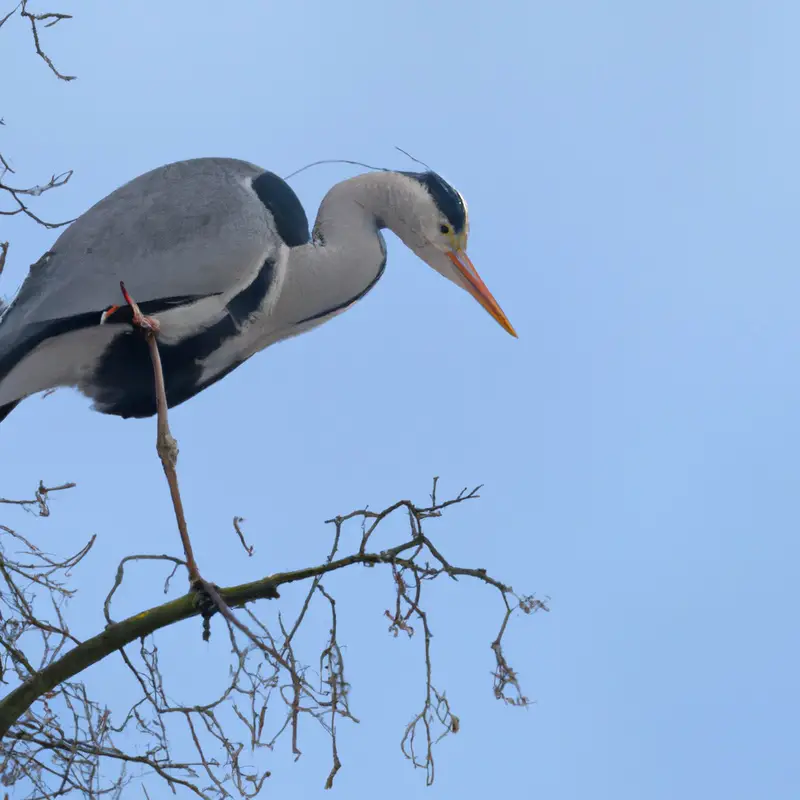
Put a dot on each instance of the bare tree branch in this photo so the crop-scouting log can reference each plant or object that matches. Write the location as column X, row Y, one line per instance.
column 17, row 195
column 237, row 522
column 411, row 563
column 40, row 498
column 51, row 19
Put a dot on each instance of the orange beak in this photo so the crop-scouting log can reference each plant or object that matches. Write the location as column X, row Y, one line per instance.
column 477, row 288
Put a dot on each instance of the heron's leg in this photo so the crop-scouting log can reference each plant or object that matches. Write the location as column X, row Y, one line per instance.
column 167, row 448
column 146, row 324
column 209, row 600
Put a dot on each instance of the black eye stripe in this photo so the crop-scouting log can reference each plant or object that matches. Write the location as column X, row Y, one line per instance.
column 447, row 199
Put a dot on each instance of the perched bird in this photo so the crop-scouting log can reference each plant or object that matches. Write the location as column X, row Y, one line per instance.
column 218, row 252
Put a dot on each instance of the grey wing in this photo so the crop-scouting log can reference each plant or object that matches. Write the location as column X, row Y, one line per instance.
column 186, row 230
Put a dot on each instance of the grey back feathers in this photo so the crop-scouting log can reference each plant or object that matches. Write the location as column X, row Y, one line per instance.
column 190, row 229
column 193, row 234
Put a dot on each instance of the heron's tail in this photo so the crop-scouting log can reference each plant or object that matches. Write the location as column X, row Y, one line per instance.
column 6, row 365
column 7, row 409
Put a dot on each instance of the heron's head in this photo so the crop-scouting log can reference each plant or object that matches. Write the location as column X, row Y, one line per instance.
column 438, row 235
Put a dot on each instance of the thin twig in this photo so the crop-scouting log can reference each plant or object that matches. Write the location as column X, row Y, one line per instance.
column 16, row 194
column 52, row 20
column 237, row 521
column 40, row 497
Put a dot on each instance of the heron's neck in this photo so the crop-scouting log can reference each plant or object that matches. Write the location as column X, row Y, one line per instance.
column 348, row 253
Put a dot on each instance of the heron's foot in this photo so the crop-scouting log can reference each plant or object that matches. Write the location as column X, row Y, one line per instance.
column 138, row 320
column 146, row 324
column 204, row 601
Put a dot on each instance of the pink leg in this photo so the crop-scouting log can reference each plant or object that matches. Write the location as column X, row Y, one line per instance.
column 139, row 319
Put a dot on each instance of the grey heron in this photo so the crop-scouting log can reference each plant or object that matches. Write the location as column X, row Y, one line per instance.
column 217, row 252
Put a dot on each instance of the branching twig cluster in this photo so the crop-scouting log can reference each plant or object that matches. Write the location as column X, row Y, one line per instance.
column 66, row 739
column 270, row 670
column 39, row 498
column 47, row 19
column 19, row 197
column 62, row 745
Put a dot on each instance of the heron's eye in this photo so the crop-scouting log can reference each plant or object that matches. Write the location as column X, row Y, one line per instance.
column 444, row 229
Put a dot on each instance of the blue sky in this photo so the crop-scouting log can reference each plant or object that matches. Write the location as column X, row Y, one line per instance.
column 632, row 176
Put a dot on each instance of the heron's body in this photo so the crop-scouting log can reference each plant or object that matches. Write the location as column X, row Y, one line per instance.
column 219, row 252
